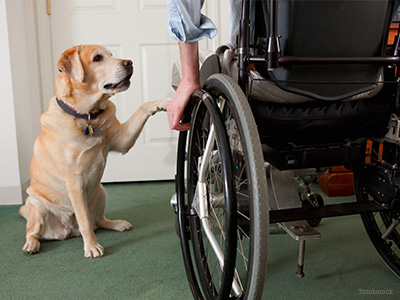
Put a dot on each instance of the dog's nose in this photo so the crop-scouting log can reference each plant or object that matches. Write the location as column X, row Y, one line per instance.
column 127, row 63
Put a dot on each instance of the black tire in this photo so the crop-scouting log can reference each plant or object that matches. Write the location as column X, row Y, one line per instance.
column 376, row 225
column 251, row 192
column 221, row 215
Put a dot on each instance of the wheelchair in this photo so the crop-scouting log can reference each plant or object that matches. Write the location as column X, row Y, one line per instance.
column 236, row 166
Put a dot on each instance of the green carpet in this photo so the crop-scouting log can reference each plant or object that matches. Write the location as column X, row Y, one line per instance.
column 145, row 263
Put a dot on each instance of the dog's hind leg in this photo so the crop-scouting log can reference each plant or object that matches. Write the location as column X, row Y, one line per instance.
column 118, row 225
column 22, row 212
column 33, row 226
column 100, row 199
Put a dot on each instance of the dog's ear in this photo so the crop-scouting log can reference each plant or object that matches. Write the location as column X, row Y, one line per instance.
column 70, row 64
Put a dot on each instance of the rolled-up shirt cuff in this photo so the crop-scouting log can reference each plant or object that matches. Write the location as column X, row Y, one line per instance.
column 188, row 33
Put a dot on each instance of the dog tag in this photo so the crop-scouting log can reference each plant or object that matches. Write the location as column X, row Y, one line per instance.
column 96, row 133
column 89, row 130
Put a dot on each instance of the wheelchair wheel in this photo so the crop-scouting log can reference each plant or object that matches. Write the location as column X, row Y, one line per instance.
column 250, row 215
column 378, row 224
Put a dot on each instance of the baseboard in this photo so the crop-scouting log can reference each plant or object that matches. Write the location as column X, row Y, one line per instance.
column 14, row 195
column 10, row 195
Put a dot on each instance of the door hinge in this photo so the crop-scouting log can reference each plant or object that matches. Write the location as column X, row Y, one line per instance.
column 48, row 7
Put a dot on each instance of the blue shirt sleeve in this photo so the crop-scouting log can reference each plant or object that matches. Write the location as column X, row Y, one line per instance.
column 186, row 23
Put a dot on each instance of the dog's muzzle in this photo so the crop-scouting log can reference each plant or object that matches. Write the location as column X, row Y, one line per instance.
column 125, row 82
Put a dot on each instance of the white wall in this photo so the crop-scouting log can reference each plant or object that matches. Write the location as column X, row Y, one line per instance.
column 22, row 88
column 9, row 166
column 21, row 97
column 219, row 12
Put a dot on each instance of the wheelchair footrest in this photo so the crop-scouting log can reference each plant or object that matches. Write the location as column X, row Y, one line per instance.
column 300, row 230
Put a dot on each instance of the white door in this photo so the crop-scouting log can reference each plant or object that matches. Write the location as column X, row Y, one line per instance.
column 134, row 29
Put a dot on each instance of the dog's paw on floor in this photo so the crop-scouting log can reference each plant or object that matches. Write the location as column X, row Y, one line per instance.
column 121, row 225
column 118, row 225
column 95, row 250
column 31, row 246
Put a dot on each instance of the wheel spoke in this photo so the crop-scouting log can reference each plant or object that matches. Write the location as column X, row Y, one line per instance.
column 382, row 229
column 210, row 226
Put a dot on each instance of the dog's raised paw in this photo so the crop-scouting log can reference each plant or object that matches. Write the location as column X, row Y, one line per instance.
column 31, row 247
column 163, row 105
column 93, row 251
column 160, row 105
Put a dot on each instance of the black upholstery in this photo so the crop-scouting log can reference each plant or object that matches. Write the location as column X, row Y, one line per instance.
column 315, row 28
column 324, row 122
column 333, row 29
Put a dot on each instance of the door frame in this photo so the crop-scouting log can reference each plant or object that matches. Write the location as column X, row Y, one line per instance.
column 46, row 56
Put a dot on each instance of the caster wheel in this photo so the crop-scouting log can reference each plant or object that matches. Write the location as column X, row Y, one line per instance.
column 314, row 200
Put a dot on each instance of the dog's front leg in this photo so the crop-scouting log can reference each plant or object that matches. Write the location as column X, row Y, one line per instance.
column 128, row 132
column 79, row 203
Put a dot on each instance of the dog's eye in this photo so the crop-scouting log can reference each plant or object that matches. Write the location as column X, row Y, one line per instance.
column 98, row 58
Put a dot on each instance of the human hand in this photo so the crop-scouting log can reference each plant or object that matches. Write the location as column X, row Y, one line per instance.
column 178, row 103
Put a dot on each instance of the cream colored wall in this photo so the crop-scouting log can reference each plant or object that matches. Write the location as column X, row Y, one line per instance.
column 21, row 103
column 219, row 12
column 22, row 99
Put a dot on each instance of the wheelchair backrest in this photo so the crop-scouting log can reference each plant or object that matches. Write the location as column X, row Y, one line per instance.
column 332, row 28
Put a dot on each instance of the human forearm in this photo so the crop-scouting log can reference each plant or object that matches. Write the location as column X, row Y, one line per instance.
column 189, row 55
column 190, row 82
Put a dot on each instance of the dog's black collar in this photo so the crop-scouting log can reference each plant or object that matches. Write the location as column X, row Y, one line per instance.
column 70, row 110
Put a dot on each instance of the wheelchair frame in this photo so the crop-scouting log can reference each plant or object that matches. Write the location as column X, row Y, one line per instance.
column 382, row 179
column 273, row 59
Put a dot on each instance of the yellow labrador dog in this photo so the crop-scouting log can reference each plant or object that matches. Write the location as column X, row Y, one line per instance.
column 78, row 130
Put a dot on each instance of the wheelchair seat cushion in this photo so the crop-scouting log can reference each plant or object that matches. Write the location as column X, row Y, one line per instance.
column 267, row 90
column 328, row 121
